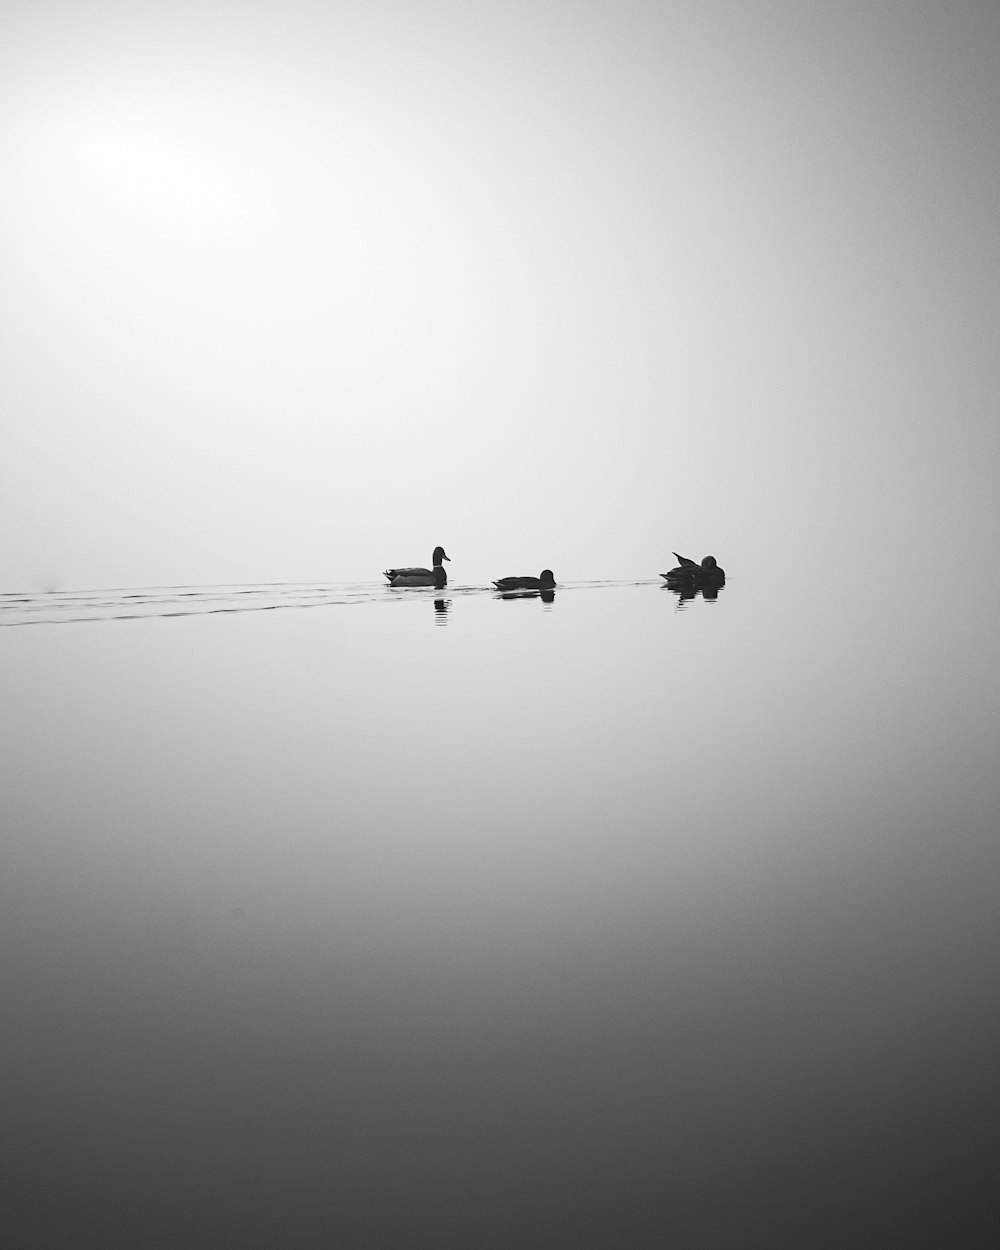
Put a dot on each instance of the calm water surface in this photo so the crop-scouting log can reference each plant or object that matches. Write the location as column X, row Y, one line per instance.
column 338, row 915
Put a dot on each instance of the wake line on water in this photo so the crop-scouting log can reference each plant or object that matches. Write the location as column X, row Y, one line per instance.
column 74, row 607
column 63, row 608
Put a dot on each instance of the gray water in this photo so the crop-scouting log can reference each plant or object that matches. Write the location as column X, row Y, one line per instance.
column 341, row 915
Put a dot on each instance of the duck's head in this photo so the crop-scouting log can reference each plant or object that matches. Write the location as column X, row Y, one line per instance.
column 547, row 578
column 439, row 556
column 709, row 564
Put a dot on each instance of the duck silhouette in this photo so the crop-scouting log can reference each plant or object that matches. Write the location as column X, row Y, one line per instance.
column 435, row 576
column 691, row 573
column 544, row 581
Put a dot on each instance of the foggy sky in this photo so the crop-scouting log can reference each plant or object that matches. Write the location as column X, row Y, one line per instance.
column 297, row 291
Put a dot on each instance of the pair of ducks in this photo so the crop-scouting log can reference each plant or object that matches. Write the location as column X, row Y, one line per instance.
column 687, row 573
column 436, row 576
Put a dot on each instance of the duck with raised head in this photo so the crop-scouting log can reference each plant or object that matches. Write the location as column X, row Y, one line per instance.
column 544, row 581
column 435, row 576
column 690, row 573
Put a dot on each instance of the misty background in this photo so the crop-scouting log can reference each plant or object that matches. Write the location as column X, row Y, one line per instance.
column 573, row 920
column 297, row 291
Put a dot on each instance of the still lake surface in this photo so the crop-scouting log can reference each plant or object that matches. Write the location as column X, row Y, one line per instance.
column 341, row 915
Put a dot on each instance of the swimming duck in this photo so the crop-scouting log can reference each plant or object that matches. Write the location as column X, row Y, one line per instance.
column 544, row 581
column 421, row 577
column 688, row 572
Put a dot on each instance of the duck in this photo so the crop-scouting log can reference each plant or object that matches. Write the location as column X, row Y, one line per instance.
column 690, row 572
column 435, row 576
column 544, row 581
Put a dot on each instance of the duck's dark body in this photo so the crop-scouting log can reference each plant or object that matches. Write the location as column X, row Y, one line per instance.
column 690, row 573
column 544, row 581
column 435, row 576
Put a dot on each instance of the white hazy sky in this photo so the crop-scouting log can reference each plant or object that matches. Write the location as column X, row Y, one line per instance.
column 295, row 290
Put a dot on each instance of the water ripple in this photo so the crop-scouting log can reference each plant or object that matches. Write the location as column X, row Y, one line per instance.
column 129, row 604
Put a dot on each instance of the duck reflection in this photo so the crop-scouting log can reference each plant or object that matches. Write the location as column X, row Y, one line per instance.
column 441, row 608
column 547, row 596
column 686, row 593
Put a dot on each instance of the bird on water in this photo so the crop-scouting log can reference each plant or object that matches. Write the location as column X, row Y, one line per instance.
column 435, row 576
column 691, row 573
column 544, row 581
